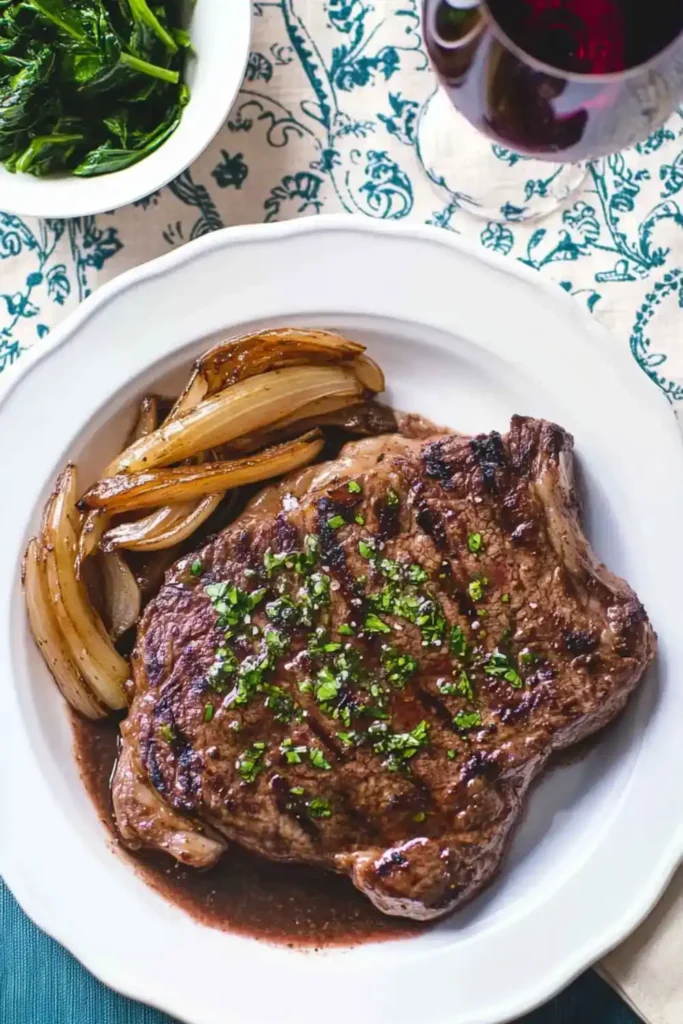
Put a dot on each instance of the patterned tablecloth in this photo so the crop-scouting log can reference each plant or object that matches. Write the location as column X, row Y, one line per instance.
column 331, row 117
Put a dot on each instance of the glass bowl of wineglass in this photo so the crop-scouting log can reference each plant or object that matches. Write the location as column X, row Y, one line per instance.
column 540, row 87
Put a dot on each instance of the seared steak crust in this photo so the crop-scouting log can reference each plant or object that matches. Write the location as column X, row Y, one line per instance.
column 465, row 558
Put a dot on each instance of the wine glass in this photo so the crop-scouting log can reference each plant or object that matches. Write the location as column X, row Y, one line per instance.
column 531, row 89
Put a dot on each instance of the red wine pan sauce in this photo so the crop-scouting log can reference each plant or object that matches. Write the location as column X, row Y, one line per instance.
column 284, row 903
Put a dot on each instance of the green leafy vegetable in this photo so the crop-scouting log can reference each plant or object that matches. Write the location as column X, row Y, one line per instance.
column 88, row 86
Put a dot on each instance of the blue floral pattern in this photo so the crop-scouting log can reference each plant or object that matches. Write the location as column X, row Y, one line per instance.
column 328, row 120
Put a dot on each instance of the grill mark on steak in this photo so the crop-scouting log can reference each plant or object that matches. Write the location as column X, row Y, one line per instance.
column 491, row 457
column 293, row 806
column 422, row 833
column 429, row 520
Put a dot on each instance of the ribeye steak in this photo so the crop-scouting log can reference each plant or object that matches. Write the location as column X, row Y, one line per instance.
column 368, row 668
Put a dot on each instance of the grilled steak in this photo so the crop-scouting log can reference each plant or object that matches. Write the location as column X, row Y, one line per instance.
column 369, row 667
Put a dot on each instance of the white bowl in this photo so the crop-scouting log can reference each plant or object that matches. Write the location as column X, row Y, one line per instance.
column 220, row 31
column 467, row 339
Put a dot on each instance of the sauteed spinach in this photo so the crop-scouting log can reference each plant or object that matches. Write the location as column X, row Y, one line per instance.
column 88, row 86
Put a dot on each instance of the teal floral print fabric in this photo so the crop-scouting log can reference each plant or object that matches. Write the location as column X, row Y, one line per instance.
column 329, row 118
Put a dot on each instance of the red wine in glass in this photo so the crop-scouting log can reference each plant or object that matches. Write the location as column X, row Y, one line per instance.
column 562, row 80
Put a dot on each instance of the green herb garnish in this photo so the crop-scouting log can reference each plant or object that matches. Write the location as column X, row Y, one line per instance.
column 392, row 497
column 197, row 568
column 400, row 747
column 476, row 590
column 475, row 543
column 467, row 720
column 318, row 807
column 399, row 666
column 500, row 665
column 318, row 759
column 167, row 732
column 373, row 624
column 366, row 549
column 355, row 487
column 250, row 762
column 360, row 519
column 457, row 641
column 208, row 712
column 345, row 629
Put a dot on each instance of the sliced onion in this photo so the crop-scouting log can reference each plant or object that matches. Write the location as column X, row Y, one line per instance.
column 132, row 535
column 148, row 418
column 129, row 491
column 99, row 662
column 94, row 525
column 120, row 593
column 248, row 406
column 191, row 517
column 369, row 374
column 253, row 354
column 51, row 643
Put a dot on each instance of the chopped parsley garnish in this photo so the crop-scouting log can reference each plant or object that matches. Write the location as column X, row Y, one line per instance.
column 334, row 522
column 299, row 562
column 416, row 574
column 367, row 550
column 225, row 665
column 451, row 755
column 292, row 754
column 458, row 643
column 326, row 686
column 527, row 657
column 197, row 567
column 318, row 759
column 391, row 569
column 273, row 562
column 355, row 487
column 283, row 612
column 462, row 687
column 345, row 629
column 499, row 665
column 208, row 712
column 276, row 643
column 232, row 605
column 475, row 543
column 360, row 519
column 505, row 598
column 467, row 720
column 476, row 590
column 280, row 703
column 349, row 739
column 399, row 666
column 373, row 624
column 420, row 816
column 250, row 762
column 465, row 686
column 320, row 644
column 318, row 807
column 392, row 497
column 400, row 747
column 431, row 622
column 167, row 732
column 297, row 790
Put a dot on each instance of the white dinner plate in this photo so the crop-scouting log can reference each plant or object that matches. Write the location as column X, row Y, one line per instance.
column 467, row 340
